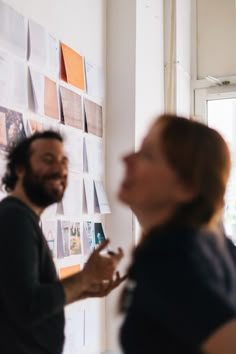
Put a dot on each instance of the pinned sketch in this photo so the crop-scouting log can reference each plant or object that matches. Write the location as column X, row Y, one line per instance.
column 59, row 209
column 11, row 127
column 45, row 95
column 71, row 103
column 50, row 211
column 94, row 156
column 13, row 81
column 49, row 228
column 68, row 239
column 72, row 200
column 88, row 237
column 75, row 238
column 94, row 80
column 19, row 79
column 50, row 124
column 74, row 329
column 93, row 118
column 93, row 236
column 101, row 201
column 33, row 126
column 98, row 233
column 51, row 108
column 43, row 49
column 3, row 130
column 88, row 196
column 73, row 143
column 3, row 193
column 37, row 80
column 85, row 158
column 5, row 73
column 72, row 67
column 93, row 327
column 13, row 31
column 63, row 248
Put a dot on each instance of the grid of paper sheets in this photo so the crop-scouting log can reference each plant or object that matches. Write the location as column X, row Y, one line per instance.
column 46, row 84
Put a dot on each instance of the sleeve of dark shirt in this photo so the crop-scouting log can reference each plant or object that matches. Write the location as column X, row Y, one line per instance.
column 23, row 295
column 183, row 290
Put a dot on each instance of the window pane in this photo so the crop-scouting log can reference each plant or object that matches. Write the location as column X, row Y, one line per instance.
column 222, row 116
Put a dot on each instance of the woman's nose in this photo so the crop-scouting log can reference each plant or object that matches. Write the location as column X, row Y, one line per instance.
column 129, row 158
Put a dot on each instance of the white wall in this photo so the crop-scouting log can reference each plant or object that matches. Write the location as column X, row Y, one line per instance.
column 216, row 30
column 178, row 56
column 135, row 95
column 183, row 57
column 120, row 135
column 149, row 65
column 81, row 24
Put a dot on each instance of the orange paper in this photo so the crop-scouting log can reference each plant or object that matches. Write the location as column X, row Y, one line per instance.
column 67, row 271
column 72, row 67
column 50, row 99
column 3, row 133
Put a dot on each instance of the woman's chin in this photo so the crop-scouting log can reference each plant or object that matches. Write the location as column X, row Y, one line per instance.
column 124, row 199
column 122, row 196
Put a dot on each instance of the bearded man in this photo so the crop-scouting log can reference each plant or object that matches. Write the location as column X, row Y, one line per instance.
column 32, row 298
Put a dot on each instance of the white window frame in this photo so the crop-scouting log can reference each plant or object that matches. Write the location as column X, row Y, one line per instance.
column 202, row 95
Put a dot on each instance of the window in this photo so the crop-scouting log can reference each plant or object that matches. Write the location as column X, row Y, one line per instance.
column 217, row 108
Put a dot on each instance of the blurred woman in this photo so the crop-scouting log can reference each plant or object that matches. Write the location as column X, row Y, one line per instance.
column 181, row 291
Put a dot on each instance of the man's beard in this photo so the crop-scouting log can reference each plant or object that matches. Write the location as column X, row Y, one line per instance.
column 37, row 191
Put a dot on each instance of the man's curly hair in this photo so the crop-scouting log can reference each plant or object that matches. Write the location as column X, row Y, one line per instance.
column 19, row 155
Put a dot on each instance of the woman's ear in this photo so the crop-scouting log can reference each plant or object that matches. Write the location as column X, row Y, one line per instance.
column 185, row 193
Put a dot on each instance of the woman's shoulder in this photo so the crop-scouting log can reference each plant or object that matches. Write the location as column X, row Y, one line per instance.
column 175, row 236
column 180, row 245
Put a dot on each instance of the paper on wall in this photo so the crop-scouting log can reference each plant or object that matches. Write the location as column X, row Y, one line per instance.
column 68, row 238
column 45, row 95
column 72, row 67
column 101, row 197
column 93, row 117
column 11, row 127
column 13, row 31
column 94, row 155
column 73, row 143
column 38, row 91
column 49, row 228
column 13, row 81
column 94, row 80
column 44, row 49
column 89, row 195
column 74, row 329
column 51, row 108
column 88, row 237
column 71, row 108
column 72, row 200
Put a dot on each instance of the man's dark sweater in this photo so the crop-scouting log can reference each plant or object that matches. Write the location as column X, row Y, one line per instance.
column 31, row 297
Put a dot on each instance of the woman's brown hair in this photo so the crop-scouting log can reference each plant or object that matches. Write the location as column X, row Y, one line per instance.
column 200, row 157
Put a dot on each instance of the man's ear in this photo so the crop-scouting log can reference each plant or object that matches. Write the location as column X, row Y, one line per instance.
column 20, row 171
